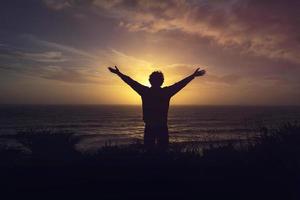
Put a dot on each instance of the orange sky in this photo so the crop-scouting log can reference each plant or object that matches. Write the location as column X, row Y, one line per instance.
column 57, row 52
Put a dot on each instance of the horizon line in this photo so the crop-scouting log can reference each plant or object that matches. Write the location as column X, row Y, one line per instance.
column 94, row 104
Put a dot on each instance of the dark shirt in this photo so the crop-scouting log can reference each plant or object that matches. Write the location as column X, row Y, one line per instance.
column 155, row 100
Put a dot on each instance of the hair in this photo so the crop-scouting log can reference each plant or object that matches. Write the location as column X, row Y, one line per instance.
column 156, row 78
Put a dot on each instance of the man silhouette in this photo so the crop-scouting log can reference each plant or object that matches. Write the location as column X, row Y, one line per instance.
column 155, row 101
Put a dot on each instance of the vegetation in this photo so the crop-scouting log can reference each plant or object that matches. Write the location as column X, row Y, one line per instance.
column 266, row 169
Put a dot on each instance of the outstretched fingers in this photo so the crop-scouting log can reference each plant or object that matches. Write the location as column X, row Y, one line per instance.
column 199, row 72
column 114, row 70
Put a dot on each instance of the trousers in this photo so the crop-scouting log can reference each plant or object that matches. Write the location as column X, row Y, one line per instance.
column 157, row 134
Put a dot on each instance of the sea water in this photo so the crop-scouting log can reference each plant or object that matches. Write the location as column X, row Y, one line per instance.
column 99, row 124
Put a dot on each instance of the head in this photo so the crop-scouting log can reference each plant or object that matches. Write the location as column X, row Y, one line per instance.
column 156, row 79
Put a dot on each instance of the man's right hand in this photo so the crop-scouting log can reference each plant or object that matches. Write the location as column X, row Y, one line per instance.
column 114, row 70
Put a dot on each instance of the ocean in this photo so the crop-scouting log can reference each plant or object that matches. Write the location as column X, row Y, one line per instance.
column 99, row 124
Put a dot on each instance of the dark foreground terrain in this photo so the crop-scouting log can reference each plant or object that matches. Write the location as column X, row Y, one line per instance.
column 266, row 169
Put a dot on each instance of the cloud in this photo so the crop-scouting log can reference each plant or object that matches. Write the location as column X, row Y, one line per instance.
column 210, row 77
column 58, row 46
column 225, row 79
column 70, row 75
column 122, row 58
column 57, row 73
column 54, row 61
column 48, row 57
column 50, row 60
column 64, row 4
column 57, row 4
column 255, row 27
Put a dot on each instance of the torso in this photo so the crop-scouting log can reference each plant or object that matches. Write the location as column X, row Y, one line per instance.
column 155, row 106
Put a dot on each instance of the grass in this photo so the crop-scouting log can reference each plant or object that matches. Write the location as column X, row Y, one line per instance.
column 265, row 169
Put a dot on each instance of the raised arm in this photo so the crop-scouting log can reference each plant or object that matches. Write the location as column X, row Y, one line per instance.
column 139, row 88
column 173, row 89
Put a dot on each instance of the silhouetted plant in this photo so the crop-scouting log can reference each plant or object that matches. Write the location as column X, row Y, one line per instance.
column 47, row 144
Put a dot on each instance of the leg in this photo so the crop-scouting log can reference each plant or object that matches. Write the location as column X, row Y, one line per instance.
column 163, row 138
column 149, row 137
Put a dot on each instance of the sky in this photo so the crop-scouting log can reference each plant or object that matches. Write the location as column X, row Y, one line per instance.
column 58, row 51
